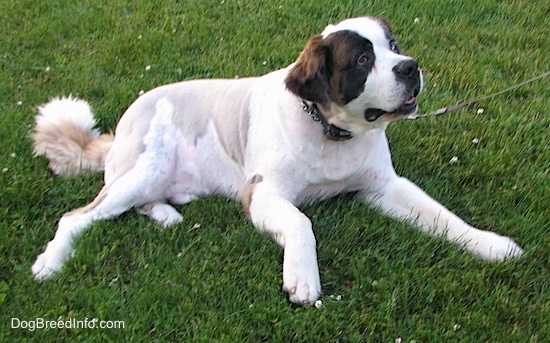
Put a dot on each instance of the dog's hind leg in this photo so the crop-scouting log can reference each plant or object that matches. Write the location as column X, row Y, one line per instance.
column 110, row 202
column 134, row 189
column 162, row 213
column 70, row 227
column 143, row 183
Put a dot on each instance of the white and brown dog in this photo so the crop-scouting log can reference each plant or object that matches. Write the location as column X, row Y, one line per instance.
column 306, row 132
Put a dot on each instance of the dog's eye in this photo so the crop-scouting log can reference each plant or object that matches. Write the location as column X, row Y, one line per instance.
column 362, row 60
column 394, row 47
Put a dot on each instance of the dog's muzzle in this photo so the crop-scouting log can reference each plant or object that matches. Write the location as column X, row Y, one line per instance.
column 408, row 73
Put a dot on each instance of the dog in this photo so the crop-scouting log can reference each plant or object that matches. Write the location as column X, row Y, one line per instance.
column 303, row 133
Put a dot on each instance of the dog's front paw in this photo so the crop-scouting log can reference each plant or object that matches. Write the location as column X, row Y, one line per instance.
column 301, row 279
column 50, row 261
column 302, row 289
column 493, row 247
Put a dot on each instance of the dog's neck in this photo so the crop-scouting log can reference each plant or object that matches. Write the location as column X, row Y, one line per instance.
column 331, row 131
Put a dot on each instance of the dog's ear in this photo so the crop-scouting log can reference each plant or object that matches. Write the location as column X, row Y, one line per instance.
column 309, row 77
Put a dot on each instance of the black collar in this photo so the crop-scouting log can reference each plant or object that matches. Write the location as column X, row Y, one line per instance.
column 331, row 131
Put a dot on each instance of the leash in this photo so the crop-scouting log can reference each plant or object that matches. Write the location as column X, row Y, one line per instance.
column 474, row 101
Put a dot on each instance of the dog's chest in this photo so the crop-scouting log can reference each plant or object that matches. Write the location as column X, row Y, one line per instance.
column 331, row 169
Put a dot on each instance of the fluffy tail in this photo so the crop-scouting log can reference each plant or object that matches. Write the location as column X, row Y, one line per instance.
column 65, row 135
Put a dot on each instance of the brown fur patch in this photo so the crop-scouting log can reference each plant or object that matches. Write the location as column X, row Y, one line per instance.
column 85, row 209
column 328, row 71
column 308, row 78
column 246, row 195
column 70, row 149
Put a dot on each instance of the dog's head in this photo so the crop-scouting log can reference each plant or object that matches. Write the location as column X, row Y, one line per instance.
column 357, row 65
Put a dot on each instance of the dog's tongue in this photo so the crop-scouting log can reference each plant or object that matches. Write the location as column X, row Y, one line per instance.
column 410, row 101
column 371, row 114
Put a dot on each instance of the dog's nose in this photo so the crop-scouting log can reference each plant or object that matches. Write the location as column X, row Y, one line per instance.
column 406, row 69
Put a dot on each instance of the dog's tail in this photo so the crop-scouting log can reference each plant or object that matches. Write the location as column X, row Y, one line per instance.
column 65, row 134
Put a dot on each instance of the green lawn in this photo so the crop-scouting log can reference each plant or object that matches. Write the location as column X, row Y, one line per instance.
column 220, row 282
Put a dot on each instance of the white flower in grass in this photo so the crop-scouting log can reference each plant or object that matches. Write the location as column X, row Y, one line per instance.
column 19, row 103
column 475, row 141
column 456, row 327
column 454, row 160
column 416, row 20
column 147, row 68
column 5, row 170
column 480, row 111
column 319, row 303
column 141, row 92
column 398, row 340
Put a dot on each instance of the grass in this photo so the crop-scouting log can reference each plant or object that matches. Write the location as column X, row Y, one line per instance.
column 220, row 282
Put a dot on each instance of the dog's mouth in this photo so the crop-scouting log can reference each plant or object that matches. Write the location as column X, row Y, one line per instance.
column 409, row 106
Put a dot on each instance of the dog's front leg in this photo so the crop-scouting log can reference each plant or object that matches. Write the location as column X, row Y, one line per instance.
column 402, row 199
column 270, row 212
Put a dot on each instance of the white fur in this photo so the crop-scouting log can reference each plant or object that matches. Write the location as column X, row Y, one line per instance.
column 249, row 139
column 67, row 109
column 370, row 28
